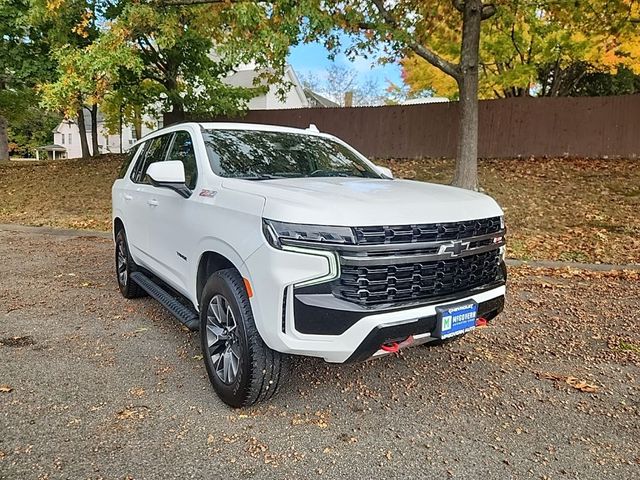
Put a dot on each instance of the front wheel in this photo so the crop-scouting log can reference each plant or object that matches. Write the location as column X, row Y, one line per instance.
column 241, row 368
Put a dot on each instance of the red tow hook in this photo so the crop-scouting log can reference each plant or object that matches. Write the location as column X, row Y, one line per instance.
column 393, row 347
column 481, row 322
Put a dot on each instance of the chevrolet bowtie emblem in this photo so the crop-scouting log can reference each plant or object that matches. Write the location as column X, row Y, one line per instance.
column 454, row 248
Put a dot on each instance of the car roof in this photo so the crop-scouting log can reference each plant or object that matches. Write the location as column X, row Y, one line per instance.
column 312, row 130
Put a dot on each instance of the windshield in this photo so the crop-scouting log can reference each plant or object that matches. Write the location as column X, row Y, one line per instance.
column 260, row 155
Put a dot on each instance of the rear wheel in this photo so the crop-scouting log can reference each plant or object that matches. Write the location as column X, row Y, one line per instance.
column 241, row 368
column 124, row 267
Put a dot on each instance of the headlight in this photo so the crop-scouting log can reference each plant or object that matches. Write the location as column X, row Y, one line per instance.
column 278, row 233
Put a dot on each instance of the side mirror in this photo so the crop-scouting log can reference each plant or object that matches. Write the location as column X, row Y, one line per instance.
column 169, row 174
column 386, row 172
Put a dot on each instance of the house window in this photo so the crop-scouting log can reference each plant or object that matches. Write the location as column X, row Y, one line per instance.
column 62, row 136
column 69, row 139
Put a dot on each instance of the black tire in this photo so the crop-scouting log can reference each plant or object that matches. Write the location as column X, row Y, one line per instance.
column 259, row 371
column 124, row 267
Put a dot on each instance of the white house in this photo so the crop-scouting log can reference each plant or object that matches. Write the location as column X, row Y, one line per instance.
column 246, row 75
column 67, row 133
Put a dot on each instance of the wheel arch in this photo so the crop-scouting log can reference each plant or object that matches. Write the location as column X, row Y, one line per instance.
column 118, row 225
column 210, row 262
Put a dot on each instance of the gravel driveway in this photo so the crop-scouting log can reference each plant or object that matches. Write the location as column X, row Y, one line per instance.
column 95, row 386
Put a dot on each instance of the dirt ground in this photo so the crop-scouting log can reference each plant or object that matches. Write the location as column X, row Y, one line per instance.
column 579, row 210
column 96, row 386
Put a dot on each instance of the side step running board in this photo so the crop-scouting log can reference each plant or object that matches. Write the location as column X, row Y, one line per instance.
column 187, row 316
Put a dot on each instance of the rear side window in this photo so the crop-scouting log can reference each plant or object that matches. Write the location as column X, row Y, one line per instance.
column 154, row 150
column 182, row 150
column 127, row 161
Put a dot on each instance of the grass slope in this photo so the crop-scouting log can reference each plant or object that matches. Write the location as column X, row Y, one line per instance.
column 556, row 209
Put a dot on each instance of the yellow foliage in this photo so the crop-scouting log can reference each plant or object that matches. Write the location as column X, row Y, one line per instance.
column 83, row 25
column 53, row 5
column 421, row 76
column 524, row 38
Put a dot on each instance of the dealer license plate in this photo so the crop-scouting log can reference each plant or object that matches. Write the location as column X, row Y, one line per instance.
column 456, row 319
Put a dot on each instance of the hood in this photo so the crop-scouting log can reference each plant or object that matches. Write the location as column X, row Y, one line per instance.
column 365, row 202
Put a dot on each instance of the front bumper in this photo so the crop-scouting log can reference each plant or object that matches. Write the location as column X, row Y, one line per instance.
column 294, row 322
column 413, row 332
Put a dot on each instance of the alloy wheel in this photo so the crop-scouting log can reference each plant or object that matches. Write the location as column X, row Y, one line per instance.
column 122, row 263
column 223, row 340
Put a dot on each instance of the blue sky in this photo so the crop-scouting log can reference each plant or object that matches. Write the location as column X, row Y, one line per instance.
column 313, row 59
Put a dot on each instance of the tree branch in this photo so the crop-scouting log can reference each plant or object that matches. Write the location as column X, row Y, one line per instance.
column 420, row 50
column 488, row 10
column 436, row 60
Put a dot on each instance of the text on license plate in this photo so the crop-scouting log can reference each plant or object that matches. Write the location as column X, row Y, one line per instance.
column 456, row 319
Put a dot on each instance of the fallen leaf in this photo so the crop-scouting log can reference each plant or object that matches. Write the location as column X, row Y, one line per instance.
column 133, row 412
column 5, row 389
column 582, row 385
column 137, row 391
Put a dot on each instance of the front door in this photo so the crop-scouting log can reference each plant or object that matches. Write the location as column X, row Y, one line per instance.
column 171, row 233
column 139, row 202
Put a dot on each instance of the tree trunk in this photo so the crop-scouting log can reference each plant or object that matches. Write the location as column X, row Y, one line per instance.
column 95, row 148
column 83, row 133
column 137, row 122
column 466, row 173
column 4, row 140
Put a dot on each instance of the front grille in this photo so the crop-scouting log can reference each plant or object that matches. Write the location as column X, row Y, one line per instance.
column 430, row 232
column 376, row 284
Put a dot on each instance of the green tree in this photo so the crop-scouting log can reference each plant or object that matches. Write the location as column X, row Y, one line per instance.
column 177, row 68
column 30, row 126
column 23, row 62
column 595, row 83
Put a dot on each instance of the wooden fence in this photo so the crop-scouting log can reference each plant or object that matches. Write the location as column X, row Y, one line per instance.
column 578, row 126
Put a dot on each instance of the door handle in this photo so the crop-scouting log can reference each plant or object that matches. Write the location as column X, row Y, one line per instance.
column 153, row 202
column 128, row 197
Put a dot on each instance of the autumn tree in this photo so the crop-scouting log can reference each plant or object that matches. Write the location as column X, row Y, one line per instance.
column 540, row 48
column 71, row 27
column 399, row 27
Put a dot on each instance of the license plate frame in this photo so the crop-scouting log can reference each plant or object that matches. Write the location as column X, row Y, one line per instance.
column 456, row 319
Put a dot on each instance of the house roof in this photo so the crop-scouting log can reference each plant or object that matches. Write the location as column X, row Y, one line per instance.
column 87, row 120
column 245, row 77
column 241, row 78
column 53, row 148
column 319, row 99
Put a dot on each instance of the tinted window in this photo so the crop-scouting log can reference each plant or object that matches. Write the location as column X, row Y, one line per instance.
column 182, row 149
column 125, row 165
column 259, row 155
column 154, row 151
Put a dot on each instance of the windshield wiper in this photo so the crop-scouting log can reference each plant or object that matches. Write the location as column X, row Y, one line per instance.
column 258, row 176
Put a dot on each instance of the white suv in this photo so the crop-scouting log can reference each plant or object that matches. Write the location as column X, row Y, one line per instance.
column 274, row 241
